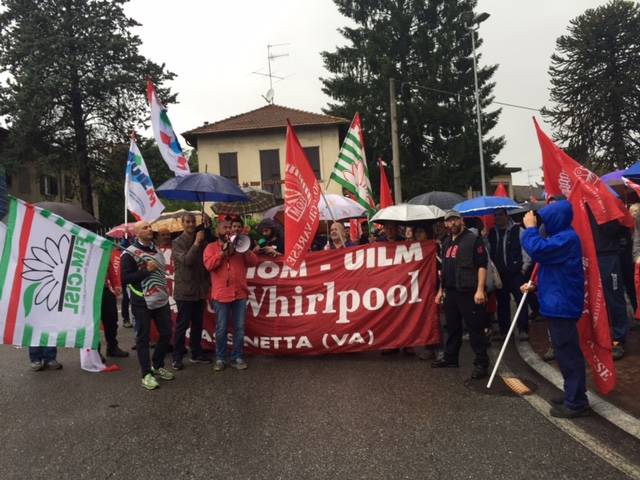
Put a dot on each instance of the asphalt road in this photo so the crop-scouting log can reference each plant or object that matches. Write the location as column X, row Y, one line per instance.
column 356, row 416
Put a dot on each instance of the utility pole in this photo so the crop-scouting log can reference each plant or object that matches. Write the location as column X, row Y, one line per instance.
column 395, row 148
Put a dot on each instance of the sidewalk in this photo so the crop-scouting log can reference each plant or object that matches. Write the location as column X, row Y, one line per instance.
column 626, row 395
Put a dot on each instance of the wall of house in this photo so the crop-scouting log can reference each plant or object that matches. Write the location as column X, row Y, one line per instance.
column 248, row 146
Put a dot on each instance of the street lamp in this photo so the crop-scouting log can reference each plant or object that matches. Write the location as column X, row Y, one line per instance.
column 470, row 24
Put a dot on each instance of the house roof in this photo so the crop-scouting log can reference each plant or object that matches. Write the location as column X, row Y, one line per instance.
column 268, row 117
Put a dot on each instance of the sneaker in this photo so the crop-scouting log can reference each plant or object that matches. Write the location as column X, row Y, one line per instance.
column 37, row 366
column 617, row 351
column 177, row 365
column 202, row 358
column 549, row 355
column 149, row 382
column 559, row 400
column 560, row 411
column 117, row 352
column 218, row 366
column 523, row 336
column 479, row 372
column 442, row 363
column 127, row 324
column 239, row 364
column 163, row 373
column 53, row 365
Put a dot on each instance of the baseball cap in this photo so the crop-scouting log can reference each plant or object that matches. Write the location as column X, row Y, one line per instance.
column 452, row 214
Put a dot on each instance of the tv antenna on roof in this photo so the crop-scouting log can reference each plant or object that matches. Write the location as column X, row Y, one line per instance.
column 270, row 95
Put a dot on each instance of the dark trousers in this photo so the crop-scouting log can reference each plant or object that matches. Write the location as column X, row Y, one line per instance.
column 564, row 338
column 188, row 313
column 628, row 274
column 42, row 354
column 124, row 305
column 511, row 283
column 459, row 307
column 143, row 326
column 110, row 318
column 613, row 286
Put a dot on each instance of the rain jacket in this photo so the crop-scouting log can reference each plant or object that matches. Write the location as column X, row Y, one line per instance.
column 561, row 276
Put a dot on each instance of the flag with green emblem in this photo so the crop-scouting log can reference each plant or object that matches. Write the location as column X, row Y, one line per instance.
column 350, row 171
column 52, row 274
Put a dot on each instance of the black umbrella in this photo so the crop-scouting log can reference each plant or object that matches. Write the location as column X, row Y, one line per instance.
column 443, row 200
column 71, row 213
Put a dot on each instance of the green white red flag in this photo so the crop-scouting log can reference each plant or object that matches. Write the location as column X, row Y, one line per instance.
column 166, row 138
column 350, row 170
column 52, row 274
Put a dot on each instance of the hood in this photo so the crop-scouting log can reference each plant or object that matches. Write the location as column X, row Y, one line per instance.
column 556, row 217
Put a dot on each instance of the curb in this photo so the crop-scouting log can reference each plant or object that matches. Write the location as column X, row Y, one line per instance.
column 602, row 407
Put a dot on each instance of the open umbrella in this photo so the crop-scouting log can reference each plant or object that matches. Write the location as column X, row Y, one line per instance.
column 341, row 207
column 68, row 211
column 486, row 205
column 259, row 201
column 201, row 187
column 443, row 200
column 405, row 212
column 119, row 231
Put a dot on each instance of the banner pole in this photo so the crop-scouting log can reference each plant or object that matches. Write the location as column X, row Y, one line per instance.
column 513, row 325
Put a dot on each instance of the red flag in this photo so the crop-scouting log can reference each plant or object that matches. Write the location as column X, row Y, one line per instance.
column 386, row 199
column 563, row 175
column 500, row 191
column 302, row 194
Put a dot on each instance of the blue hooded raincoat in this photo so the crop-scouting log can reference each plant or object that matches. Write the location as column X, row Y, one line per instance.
column 561, row 276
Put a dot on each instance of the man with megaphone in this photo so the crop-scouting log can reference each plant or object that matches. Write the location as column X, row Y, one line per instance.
column 227, row 260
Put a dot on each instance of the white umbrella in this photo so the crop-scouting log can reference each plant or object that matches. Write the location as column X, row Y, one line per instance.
column 408, row 213
column 342, row 208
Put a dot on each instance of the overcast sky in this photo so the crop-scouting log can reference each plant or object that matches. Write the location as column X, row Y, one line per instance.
column 214, row 46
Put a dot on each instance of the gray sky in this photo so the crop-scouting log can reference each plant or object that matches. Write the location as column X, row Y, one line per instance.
column 213, row 46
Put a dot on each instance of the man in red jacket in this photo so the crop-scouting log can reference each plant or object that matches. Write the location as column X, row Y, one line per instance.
column 229, row 292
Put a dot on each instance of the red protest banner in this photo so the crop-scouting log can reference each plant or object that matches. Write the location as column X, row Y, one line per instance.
column 301, row 197
column 372, row 297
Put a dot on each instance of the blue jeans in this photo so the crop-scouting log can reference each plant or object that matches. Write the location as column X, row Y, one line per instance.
column 236, row 310
column 42, row 354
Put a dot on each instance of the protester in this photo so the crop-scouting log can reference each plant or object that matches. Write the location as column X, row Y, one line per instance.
column 391, row 232
column 271, row 241
column 229, row 292
column 162, row 239
column 191, row 287
column 561, row 296
column 462, row 292
column 237, row 226
column 338, row 237
column 143, row 270
column 109, row 311
column 506, row 253
column 44, row 357
column 626, row 262
column 607, row 242
column 124, row 305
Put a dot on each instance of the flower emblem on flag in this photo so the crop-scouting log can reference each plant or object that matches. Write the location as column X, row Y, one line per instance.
column 45, row 268
column 358, row 178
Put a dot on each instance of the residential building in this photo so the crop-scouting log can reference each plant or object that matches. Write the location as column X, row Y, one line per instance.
column 250, row 148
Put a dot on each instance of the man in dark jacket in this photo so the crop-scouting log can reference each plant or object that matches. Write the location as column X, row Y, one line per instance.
column 191, row 287
column 506, row 254
column 561, row 295
column 462, row 291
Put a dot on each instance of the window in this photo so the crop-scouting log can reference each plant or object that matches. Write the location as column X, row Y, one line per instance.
column 24, row 182
column 48, row 186
column 313, row 155
column 229, row 166
column 270, row 171
column 69, row 190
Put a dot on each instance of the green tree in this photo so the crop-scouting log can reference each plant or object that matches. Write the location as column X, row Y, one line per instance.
column 76, row 83
column 426, row 47
column 595, row 86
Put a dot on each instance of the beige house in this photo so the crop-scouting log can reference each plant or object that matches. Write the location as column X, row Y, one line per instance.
column 250, row 148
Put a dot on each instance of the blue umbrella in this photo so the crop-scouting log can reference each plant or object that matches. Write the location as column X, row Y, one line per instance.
column 633, row 171
column 480, row 206
column 201, row 187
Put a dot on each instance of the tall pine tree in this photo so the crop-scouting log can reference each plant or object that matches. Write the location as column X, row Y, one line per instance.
column 595, row 86
column 76, row 83
column 426, row 46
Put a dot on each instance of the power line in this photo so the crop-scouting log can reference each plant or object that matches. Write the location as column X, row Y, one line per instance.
column 458, row 95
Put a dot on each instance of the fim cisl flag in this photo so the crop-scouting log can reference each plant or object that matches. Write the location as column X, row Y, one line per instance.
column 52, row 274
